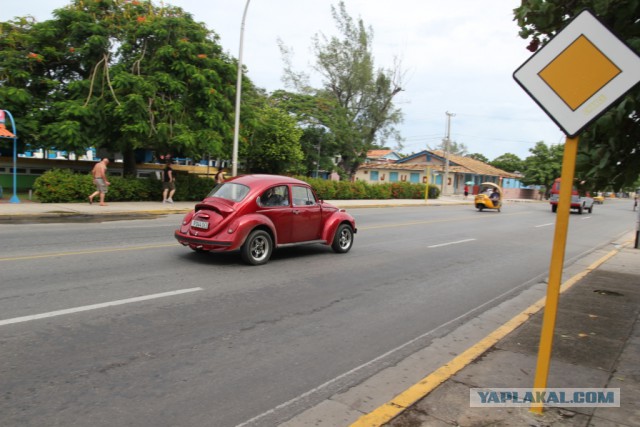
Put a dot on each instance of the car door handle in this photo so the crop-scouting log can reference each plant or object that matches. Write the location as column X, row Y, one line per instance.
column 296, row 212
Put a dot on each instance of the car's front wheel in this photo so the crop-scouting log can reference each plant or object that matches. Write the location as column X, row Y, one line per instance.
column 257, row 248
column 343, row 239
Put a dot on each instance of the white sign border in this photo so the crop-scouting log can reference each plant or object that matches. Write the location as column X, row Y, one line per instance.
column 570, row 121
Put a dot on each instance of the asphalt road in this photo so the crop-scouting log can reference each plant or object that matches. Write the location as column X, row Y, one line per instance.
column 114, row 323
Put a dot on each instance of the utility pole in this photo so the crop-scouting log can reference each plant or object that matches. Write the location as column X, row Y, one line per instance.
column 447, row 141
column 236, row 127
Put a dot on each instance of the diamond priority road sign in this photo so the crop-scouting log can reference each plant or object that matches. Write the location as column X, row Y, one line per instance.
column 581, row 71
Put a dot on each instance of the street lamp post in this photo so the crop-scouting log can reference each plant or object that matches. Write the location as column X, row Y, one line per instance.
column 236, row 128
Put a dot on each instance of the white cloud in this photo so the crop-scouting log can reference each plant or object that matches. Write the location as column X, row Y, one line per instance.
column 459, row 56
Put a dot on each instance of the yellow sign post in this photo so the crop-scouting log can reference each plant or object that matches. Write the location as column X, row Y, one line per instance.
column 555, row 268
column 575, row 78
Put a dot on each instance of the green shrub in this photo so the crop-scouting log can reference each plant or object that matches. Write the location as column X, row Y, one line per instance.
column 129, row 189
column 343, row 190
column 192, row 187
column 65, row 186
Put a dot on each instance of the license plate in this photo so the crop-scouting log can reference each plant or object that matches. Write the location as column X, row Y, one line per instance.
column 200, row 224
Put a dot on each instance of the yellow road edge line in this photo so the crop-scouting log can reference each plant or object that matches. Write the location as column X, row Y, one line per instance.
column 93, row 251
column 390, row 410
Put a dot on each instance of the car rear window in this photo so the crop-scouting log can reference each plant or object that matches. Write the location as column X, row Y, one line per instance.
column 230, row 191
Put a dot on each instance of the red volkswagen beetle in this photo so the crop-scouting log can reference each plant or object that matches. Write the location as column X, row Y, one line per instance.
column 258, row 213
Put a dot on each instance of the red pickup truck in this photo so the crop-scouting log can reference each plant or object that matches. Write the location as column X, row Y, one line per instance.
column 579, row 203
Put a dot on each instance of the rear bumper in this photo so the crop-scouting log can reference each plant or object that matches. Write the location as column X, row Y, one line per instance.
column 198, row 241
column 573, row 205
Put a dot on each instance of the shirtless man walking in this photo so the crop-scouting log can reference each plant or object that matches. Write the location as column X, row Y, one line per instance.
column 99, row 173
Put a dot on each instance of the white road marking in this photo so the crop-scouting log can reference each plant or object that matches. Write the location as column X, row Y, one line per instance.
column 544, row 225
column 451, row 243
column 95, row 306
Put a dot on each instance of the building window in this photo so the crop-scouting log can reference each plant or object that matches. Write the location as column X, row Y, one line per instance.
column 414, row 178
column 374, row 176
column 393, row 176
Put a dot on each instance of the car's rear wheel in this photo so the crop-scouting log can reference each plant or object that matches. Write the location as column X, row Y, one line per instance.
column 257, row 248
column 343, row 239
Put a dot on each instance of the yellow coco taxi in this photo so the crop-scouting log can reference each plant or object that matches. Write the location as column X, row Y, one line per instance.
column 599, row 199
column 489, row 197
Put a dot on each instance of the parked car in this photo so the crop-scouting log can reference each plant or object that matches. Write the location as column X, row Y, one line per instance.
column 256, row 214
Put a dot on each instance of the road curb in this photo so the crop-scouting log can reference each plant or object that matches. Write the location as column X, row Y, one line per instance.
column 21, row 218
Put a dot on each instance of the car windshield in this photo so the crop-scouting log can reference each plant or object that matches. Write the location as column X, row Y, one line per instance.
column 230, row 191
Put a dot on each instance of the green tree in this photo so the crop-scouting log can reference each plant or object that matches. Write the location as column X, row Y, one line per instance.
column 544, row 165
column 609, row 150
column 119, row 75
column 315, row 115
column 364, row 115
column 274, row 144
column 508, row 162
column 479, row 157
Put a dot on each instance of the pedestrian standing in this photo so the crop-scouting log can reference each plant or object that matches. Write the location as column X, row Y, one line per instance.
column 100, row 180
column 220, row 177
column 466, row 191
column 168, row 183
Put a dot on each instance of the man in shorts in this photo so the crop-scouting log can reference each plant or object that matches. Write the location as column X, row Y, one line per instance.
column 168, row 184
column 99, row 173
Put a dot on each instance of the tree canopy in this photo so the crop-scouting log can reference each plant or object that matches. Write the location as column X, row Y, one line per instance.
column 478, row 156
column 508, row 162
column 355, row 102
column 609, row 150
column 544, row 165
column 118, row 75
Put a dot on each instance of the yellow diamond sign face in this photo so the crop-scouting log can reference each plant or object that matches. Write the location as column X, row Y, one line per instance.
column 593, row 70
column 580, row 73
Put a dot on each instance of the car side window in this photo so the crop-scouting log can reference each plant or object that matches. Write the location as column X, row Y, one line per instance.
column 275, row 196
column 303, row 196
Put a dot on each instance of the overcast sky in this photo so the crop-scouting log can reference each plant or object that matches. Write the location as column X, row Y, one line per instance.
column 458, row 57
